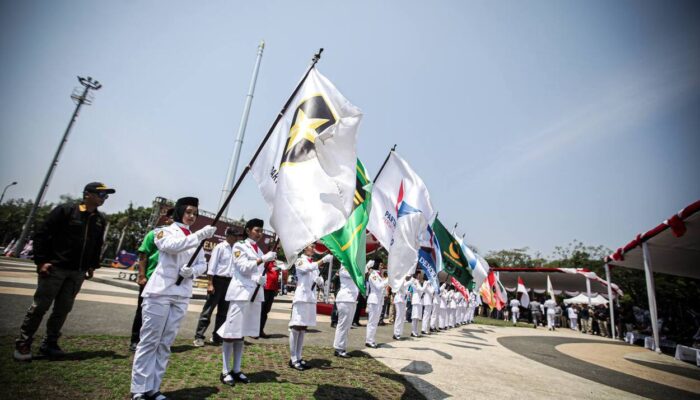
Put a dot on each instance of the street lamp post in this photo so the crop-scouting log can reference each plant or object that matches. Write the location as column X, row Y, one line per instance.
column 80, row 98
column 3, row 191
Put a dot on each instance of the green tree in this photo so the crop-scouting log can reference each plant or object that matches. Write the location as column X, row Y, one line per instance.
column 511, row 258
column 133, row 222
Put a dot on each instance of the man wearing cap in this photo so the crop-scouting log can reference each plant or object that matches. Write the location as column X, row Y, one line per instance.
column 219, row 275
column 66, row 252
column 376, row 285
column 245, row 299
column 148, row 260
column 165, row 302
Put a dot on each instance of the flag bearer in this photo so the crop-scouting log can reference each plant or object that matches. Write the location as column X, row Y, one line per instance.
column 304, row 303
column 375, row 300
column 400, row 305
column 346, row 301
column 243, row 317
column 165, row 302
column 454, row 296
column 418, row 283
column 551, row 306
column 442, row 318
column 435, row 312
column 515, row 310
column 427, row 308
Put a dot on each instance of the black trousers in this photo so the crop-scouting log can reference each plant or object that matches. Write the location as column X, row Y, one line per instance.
column 361, row 304
column 266, row 307
column 136, row 325
column 214, row 300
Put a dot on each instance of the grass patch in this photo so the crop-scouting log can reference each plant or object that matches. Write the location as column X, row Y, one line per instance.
column 99, row 367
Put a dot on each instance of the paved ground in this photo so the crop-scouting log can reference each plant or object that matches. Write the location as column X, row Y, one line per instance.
column 475, row 361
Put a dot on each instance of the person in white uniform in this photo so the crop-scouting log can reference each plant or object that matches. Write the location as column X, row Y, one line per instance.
column 473, row 303
column 345, row 301
column 165, row 302
column 573, row 317
column 435, row 312
column 418, row 283
column 428, row 293
column 400, row 305
column 376, row 286
column 245, row 300
column 454, row 297
column 551, row 306
column 444, row 295
column 304, row 304
column 515, row 310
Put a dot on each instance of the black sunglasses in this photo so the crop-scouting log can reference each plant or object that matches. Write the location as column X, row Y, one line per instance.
column 102, row 195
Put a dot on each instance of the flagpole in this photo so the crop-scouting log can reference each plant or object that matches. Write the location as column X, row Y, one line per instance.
column 247, row 168
column 384, row 163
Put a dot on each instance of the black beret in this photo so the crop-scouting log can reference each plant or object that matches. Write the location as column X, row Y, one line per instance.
column 187, row 201
column 254, row 223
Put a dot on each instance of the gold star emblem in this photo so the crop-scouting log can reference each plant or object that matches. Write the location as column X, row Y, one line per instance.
column 303, row 129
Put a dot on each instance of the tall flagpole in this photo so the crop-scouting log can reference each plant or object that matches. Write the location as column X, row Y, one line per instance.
column 247, row 168
column 233, row 165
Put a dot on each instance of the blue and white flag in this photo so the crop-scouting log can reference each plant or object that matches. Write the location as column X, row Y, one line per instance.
column 401, row 212
column 479, row 271
column 430, row 260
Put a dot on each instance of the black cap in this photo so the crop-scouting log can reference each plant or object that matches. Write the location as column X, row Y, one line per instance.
column 187, row 201
column 230, row 231
column 254, row 223
column 98, row 187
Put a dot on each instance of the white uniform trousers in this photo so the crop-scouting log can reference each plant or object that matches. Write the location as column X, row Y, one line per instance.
column 346, row 311
column 373, row 313
column 427, row 314
column 161, row 316
column 550, row 319
column 573, row 322
column 442, row 318
column 434, row 317
column 470, row 314
column 516, row 315
column 400, row 318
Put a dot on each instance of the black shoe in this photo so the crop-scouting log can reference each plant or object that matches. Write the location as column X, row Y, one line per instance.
column 132, row 346
column 414, row 335
column 240, row 377
column 334, row 324
column 157, row 396
column 51, row 350
column 357, row 324
column 297, row 366
column 424, row 333
column 139, row 396
column 303, row 364
column 396, row 337
column 382, row 323
column 371, row 345
column 232, row 382
column 341, row 354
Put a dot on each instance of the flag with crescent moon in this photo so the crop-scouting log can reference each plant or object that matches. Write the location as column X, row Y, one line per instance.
column 454, row 260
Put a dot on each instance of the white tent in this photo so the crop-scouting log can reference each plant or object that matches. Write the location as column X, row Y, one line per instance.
column 672, row 247
column 583, row 299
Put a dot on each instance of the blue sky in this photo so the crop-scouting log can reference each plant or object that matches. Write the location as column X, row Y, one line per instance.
column 532, row 122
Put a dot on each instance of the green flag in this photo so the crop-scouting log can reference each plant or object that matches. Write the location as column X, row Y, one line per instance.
column 348, row 243
column 453, row 259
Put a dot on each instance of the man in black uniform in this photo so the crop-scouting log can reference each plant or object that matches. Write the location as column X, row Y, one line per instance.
column 66, row 252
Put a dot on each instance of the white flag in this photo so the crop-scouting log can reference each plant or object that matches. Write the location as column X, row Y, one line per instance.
column 479, row 273
column 306, row 170
column 550, row 288
column 401, row 211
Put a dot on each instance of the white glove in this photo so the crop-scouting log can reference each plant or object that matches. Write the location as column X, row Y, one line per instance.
column 186, row 272
column 262, row 279
column 269, row 256
column 327, row 258
column 319, row 281
column 370, row 264
column 206, row 232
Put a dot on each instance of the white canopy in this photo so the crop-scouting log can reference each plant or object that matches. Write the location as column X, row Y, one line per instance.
column 583, row 299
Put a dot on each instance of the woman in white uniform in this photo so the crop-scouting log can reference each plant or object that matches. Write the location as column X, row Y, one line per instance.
column 165, row 302
column 375, row 301
column 427, row 307
column 418, row 284
column 400, row 305
column 345, row 301
column 243, row 317
column 304, row 304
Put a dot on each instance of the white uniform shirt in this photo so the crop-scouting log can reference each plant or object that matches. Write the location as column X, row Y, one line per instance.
column 418, row 290
column 428, row 292
column 453, row 298
column 245, row 272
column 550, row 305
column 220, row 261
column 445, row 298
column 175, row 250
column 515, row 305
column 400, row 295
column 573, row 313
column 376, row 286
column 307, row 272
column 348, row 290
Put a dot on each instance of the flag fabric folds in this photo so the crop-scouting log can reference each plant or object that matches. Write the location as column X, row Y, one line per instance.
column 454, row 260
column 550, row 288
column 306, row 170
column 347, row 244
column 524, row 297
column 458, row 286
column 487, row 294
column 479, row 273
column 401, row 210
